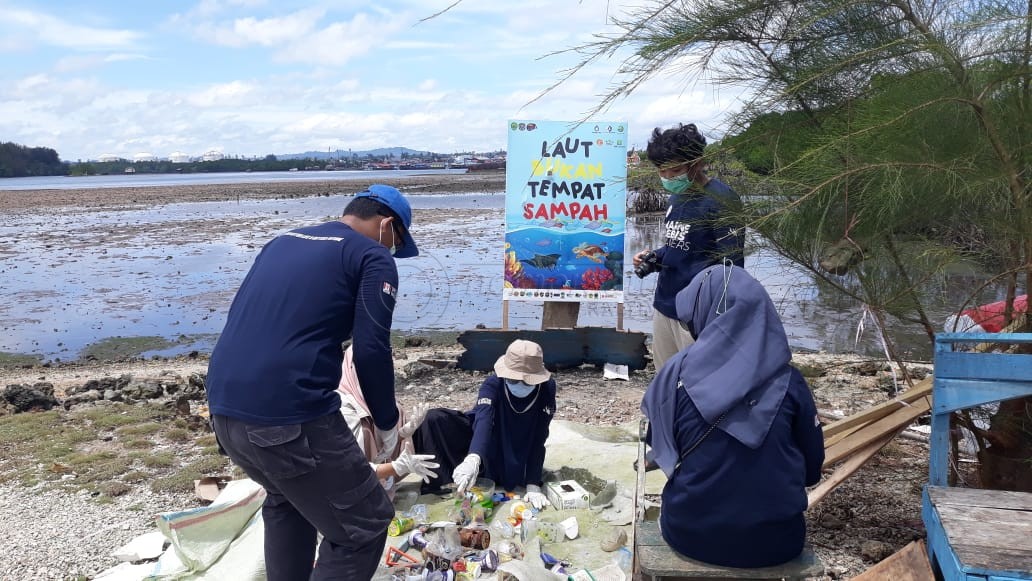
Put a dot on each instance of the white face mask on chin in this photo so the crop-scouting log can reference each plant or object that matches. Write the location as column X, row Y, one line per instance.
column 519, row 388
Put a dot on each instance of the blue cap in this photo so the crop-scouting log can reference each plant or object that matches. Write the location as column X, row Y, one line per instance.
column 394, row 200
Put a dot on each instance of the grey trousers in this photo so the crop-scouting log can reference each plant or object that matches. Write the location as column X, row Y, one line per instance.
column 668, row 338
column 317, row 479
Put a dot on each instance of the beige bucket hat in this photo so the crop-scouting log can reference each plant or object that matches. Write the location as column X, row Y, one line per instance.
column 523, row 361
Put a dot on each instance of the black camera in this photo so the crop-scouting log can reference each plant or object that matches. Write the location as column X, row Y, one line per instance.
column 649, row 263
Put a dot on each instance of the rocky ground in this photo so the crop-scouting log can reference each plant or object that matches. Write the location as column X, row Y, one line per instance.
column 124, row 440
column 81, row 481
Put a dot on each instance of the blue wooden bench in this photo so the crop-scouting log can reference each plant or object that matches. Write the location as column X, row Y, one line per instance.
column 975, row 535
column 654, row 560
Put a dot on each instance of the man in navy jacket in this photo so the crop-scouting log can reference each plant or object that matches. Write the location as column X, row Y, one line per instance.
column 272, row 384
column 694, row 236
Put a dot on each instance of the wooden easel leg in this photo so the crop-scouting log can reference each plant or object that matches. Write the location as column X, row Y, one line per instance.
column 505, row 315
column 619, row 316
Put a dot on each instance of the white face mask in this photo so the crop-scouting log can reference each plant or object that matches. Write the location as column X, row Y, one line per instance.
column 379, row 239
column 519, row 388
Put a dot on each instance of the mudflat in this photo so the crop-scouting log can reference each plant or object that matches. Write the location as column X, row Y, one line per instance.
column 15, row 200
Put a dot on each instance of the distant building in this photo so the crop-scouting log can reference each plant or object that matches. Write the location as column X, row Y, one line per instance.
column 212, row 155
column 633, row 159
column 145, row 157
column 178, row 157
column 108, row 157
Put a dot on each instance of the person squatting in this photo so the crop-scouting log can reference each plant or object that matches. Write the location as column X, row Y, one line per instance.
column 319, row 428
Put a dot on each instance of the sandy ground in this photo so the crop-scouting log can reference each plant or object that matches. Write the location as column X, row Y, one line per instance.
column 13, row 200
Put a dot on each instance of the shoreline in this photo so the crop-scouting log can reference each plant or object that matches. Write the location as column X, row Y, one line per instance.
column 116, row 197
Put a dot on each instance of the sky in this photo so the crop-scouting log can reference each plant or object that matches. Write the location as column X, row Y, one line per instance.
column 253, row 77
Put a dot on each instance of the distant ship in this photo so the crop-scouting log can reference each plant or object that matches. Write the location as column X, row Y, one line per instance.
column 484, row 164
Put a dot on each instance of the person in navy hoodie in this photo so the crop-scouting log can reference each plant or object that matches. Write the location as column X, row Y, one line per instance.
column 734, row 427
column 272, row 385
column 694, row 235
column 503, row 436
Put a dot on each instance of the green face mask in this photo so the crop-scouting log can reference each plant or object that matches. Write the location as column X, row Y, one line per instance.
column 676, row 185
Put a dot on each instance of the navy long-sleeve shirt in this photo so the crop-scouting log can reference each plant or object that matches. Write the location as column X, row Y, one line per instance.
column 509, row 433
column 731, row 505
column 693, row 240
column 278, row 359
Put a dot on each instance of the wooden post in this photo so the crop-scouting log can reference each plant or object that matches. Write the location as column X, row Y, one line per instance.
column 619, row 316
column 505, row 315
column 559, row 315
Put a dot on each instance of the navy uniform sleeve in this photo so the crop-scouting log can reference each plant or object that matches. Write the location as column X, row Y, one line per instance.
column 728, row 239
column 536, row 459
column 484, row 414
column 806, row 430
column 374, row 311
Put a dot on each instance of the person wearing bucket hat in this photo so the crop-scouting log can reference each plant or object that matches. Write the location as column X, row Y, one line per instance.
column 273, row 376
column 503, row 436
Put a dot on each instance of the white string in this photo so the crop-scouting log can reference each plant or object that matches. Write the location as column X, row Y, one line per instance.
column 861, row 326
column 722, row 303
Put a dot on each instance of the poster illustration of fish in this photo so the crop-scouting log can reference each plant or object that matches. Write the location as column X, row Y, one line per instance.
column 565, row 211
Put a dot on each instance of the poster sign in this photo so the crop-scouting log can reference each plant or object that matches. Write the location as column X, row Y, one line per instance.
column 565, row 211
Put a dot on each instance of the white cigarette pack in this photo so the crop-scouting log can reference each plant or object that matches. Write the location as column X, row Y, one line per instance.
column 566, row 494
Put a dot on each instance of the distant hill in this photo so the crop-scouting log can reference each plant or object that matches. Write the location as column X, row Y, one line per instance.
column 379, row 152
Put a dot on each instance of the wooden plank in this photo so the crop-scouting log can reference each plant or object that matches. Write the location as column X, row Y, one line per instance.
column 657, row 559
column 908, row 564
column 921, row 389
column 989, row 529
column 983, row 366
column 830, row 441
column 958, row 394
column 890, row 424
column 1005, row 499
column 977, row 560
column 505, row 314
column 563, row 348
column 559, row 315
column 851, row 465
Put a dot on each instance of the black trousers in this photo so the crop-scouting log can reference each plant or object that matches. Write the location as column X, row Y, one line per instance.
column 446, row 434
column 317, row 479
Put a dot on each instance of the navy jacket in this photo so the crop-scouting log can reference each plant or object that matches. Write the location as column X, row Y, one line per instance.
column 278, row 360
column 693, row 241
column 512, row 444
column 730, row 505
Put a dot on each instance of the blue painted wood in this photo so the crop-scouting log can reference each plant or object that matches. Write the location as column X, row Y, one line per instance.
column 939, row 450
column 956, row 394
column 939, row 552
column 966, row 379
column 984, row 366
column 962, row 338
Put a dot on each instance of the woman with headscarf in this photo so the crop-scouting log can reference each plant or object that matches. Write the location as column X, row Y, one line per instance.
column 503, row 436
column 390, row 465
column 734, row 427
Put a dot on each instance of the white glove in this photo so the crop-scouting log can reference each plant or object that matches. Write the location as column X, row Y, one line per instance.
column 465, row 474
column 535, row 497
column 415, row 419
column 386, row 442
column 421, row 465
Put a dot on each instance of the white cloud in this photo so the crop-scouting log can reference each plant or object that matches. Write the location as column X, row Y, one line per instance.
column 231, row 94
column 54, row 31
column 80, row 62
column 265, row 32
